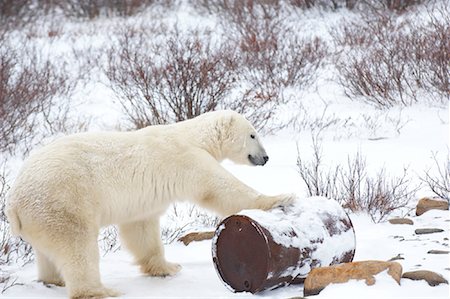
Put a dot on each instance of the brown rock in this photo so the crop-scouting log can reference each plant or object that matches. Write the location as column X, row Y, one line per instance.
column 426, row 204
column 401, row 221
column 319, row 278
column 431, row 277
column 200, row 236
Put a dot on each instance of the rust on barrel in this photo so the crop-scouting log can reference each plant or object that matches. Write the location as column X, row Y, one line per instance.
column 259, row 250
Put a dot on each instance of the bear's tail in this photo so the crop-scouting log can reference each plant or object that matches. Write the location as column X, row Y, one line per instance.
column 14, row 221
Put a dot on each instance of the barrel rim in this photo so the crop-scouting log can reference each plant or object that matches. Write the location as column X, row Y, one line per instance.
column 261, row 233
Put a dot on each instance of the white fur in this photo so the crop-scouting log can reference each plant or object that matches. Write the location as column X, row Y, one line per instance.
column 69, row 189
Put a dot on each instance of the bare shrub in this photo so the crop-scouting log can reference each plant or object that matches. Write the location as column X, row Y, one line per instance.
column 427, row 52
column 109, row 239
column 160, row 79
column 436, row 39
column 438, row 178
column 388, row 61
column 281, row 59
column 377, row 195
column 94, row 8
column 271, row 56
column 184, row 76
column 15, row 13
column 259, row 104
column 33, row 97
column 324, row 4
column 393, row 5
column 218, row 6
column 270, row 52
column 319, row 182
column 376, row 70
column 7, row 281
column 234, row 8
column 316, row 124
column 90, row 9
column 398, row 6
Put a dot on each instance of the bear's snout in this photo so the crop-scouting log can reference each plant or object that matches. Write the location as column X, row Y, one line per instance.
column 258, row 160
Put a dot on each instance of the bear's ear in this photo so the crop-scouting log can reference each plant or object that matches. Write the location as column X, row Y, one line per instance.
column 225, row 126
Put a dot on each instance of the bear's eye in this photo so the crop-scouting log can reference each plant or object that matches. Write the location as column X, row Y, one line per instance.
column 252, row 136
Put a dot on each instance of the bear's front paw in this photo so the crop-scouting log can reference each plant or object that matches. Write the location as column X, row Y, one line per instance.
column 170, row 269
column 285, row 200
column 161, row 268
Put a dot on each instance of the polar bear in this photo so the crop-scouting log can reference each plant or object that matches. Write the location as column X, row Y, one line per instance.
column 67, row 190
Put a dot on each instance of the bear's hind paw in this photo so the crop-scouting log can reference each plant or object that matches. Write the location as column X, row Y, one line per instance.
column 96, row 293
column 51, row 283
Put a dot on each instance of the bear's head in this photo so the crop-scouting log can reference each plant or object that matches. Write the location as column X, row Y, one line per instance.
column 240, row 141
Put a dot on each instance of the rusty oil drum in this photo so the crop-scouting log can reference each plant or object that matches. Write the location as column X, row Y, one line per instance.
column 258, row 250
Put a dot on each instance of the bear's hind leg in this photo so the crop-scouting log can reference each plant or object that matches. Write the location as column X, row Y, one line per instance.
column 81, row 270
column 75, row 253
column 143, row 239
column 47, row 272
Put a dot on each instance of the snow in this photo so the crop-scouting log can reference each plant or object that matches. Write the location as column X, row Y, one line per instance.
column 394, row 139
column 199, row 279
column 303, row 224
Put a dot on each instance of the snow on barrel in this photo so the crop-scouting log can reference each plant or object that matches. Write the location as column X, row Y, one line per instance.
column 257, row 250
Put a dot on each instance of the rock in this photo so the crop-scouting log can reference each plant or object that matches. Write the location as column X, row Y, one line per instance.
column 401, row 221
column 426, row 204
column 398, row 257
column 431, row 277
column 200, row 236
column 424, row 231
column 433, row 251
column 319, row 278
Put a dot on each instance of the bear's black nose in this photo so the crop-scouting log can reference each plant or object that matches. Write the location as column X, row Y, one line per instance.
column 266, row 158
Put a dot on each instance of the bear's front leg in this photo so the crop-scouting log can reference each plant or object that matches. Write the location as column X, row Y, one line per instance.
column 226, row 195
column 143, row 239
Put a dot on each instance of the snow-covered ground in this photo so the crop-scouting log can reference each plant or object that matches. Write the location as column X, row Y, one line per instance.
column 198, row 278
column 391, row 139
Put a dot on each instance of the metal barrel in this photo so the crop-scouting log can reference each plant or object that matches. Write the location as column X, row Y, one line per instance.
column 258, row 250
